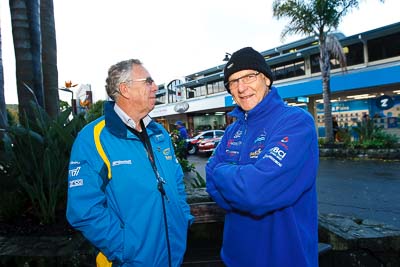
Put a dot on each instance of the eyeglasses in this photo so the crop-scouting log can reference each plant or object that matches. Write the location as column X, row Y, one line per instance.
column 148, row 81
column 246, row 79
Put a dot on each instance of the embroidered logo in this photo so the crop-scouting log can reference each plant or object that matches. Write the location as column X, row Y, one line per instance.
column 166, row 151
column 167, row 154
column 238, row 134
column 122, row 162
column 255, row 154
column 283, row 142
column 75, row 183
column 74, row 172
column 277, row 153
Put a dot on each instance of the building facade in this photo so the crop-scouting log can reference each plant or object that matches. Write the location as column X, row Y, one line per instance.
column 369, row 87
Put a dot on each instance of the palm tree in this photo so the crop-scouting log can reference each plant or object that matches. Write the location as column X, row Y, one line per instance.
column 318, row 18
column 3, row 112
column 49, row 58
column 25, row 21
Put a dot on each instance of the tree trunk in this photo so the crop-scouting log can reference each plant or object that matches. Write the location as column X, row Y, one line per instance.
column 49, row 58
column 3, row 110
column 326, row 91
column 25, row 23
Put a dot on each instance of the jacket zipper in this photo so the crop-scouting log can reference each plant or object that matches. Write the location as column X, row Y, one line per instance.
column 244, row 136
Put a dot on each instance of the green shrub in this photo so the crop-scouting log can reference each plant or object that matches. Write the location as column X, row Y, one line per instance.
column 344, row 136
column 39, row 151
column 193, row 179
column 371, row 136
column 95, row 111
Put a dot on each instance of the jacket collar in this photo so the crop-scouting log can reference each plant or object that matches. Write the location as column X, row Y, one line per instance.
column 117, row 127
column 271, row 104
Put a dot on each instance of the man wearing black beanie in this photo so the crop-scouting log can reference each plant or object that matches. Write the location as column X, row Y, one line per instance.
column 263, row 172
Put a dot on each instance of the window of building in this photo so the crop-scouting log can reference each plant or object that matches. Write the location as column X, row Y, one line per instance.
column 290, row 69
column 160, row 96
column 174, row 92
column 190, row 92
column 384, row 47
column 215, row 87
column 354, row 55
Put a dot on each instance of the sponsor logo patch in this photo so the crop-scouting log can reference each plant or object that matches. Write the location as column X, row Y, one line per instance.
column 167, row 154
column 122, row 162
column 238, row 134
column 232, row 143
column 284, row 142
column 75, row 183
column 74, row 172
column 166, row 151
column 255, row 154
column 277, row 153
column 259, row 139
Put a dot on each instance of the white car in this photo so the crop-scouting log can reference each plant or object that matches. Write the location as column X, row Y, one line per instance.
column 209, row 134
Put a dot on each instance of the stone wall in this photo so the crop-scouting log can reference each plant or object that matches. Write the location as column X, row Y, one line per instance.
column 357, row 242
column 353, row 242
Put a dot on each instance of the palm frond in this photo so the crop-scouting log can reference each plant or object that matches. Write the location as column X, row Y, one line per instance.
column 336, row 50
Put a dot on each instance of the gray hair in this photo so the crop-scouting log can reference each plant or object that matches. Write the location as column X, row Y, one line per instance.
column 119, row 73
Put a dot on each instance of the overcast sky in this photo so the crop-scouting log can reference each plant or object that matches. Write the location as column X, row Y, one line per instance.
column 173, row 38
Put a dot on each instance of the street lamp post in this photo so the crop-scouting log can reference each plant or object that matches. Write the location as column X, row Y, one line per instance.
column 227, row 56
column 73, row 104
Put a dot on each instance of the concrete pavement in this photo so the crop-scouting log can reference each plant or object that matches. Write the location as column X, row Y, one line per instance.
column 366, row 189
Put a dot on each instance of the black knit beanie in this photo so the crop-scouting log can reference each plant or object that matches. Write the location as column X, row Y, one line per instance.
column 246, row 59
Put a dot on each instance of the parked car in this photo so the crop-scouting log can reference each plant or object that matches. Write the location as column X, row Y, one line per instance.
column 208, row 145
column 206, row 135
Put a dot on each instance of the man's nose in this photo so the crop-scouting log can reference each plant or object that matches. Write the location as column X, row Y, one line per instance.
column 154, row 87
column 241, row 85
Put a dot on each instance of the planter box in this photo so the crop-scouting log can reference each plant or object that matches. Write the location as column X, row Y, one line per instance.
column 337, row 151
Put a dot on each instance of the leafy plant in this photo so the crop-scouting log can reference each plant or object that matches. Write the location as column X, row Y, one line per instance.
column 95, row 111
column 371, row 136
column 344, row 136
column 39, row 149
column 193, row 179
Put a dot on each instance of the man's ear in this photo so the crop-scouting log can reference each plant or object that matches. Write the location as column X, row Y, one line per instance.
column 123, row 89
column 267, row 82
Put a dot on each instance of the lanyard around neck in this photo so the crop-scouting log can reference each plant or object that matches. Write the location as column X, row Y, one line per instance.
column 150, row 155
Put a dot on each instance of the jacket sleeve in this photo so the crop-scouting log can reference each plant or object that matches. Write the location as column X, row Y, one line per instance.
column 283, row 171
column 87, row 209
column 214, row 161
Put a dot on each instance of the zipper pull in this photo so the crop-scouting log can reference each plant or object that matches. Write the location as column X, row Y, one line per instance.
column 160, row 187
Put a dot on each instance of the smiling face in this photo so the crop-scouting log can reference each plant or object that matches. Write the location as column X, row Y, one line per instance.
column 248, row 88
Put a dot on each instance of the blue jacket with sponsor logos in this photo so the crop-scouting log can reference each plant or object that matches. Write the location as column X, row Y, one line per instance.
column 119, row 209
column 263, row 173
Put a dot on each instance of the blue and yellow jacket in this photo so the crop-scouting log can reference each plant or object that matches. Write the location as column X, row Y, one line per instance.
column 113, row 197
column 263, row 173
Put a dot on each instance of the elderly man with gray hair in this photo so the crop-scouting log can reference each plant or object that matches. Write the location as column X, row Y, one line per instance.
column 125, row 186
